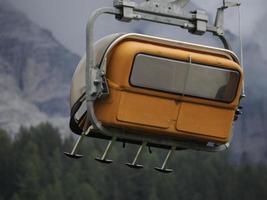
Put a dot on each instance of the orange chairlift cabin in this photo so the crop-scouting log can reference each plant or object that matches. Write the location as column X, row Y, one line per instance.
column 156, row 92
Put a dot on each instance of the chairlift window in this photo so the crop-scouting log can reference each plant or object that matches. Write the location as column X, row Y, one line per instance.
column 184, row 78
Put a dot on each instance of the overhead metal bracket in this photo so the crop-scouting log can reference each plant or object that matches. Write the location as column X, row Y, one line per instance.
column 201, row 21
column 127, row 8
column 228, row 4
column 166, row 12
column 219, row 20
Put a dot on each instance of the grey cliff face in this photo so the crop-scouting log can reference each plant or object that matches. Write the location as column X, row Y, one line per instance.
column 35, row 72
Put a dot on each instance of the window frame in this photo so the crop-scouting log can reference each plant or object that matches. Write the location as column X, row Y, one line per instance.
column 180, row 94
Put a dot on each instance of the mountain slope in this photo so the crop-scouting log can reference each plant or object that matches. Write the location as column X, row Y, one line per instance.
column 253, row 129
column 35, row 72
column 250, row 139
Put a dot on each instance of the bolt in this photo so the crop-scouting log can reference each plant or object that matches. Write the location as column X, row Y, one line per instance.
column 185, row 25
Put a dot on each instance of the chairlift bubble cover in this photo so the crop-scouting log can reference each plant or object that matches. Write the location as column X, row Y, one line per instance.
column 161, row 87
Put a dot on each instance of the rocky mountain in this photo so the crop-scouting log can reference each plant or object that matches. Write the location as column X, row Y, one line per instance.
column 35, row 73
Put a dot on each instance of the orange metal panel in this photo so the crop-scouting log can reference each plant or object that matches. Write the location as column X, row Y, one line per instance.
column 160, row 112
column 147, row 110
column 205, row 121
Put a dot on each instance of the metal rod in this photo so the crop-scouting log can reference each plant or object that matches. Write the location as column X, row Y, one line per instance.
column 80, row 139
column 184, row 16
column 90, row 55
column 170, row 153
column 241, row 46
column 225, row 42
column 141, row 148
column 108, row 149
column 187, row 75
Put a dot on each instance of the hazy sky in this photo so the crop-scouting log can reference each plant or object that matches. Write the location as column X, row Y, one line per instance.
column 67, row 18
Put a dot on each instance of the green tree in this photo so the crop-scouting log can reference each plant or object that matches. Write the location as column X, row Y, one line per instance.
column 33, row 167
column 7, row 166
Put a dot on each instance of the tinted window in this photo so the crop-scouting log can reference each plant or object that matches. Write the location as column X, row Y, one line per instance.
column 184, row 78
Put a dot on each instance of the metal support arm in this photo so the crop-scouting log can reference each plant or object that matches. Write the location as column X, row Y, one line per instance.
column 93, row 76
